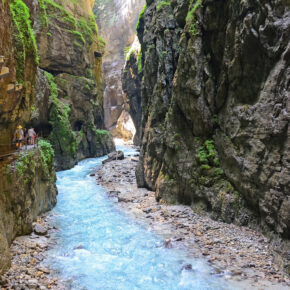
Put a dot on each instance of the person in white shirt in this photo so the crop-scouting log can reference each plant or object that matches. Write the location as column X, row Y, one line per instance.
column 31, row 136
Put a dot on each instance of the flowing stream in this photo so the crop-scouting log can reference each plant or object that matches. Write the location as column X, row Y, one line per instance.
column 100, row 247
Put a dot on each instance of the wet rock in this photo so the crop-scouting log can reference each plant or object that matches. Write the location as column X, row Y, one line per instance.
column 167, row 244
column 40, row 229
column 79, row 247
column 117, row 155
column 187, row 267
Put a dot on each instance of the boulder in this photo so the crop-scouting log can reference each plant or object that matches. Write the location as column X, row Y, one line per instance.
column 117, row 155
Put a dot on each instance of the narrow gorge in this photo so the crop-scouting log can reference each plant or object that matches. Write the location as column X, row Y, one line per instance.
column 195, row 95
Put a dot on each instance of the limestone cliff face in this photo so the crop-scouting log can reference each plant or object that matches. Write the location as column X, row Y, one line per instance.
column 70, row 50
column 27, row 189
column 51, row 77
column 131, row 84
column 216, row 108
column 117, row 21
column 18, row 63
column 53, row 50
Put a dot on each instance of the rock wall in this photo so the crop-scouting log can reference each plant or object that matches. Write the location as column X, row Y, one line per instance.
column 70, row 74
column 117, row 21
column 51, row 78
column 215, row 101
column 18, row 63
column 131, row 84
column 27, row 189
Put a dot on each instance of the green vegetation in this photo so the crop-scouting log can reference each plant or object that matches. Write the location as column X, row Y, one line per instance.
column 88, row 28
column 84, row 29
column 128, row 51
column 141, row 16
column 24, row 38
column 55, row 10
column 99, row 132
column 207, row 157
column 139, row 61
column 102, row 43
column 190, row 18
column 43, row 15
column 161, row 4
column 25, row 166
column 78, row 35
column 62, row 137
column 47, row 153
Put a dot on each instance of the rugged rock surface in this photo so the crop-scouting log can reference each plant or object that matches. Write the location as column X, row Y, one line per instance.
column 27, row 189
column 53, row 50
column 131, row 84
column 117, row 21
column 20, row 60
column 216, row 109
column 117, row 155
column 70, row 100
column 237, row 253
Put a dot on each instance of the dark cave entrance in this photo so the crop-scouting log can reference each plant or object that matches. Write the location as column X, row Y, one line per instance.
column 78, row 126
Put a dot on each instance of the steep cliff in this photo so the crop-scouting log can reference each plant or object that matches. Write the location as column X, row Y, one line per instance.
column 18, row 62
column 117, row 21
column 131, row 84
column 52, row 48
column 216, row 109
column 51, row 78
column 70, row 53
column 27, row 189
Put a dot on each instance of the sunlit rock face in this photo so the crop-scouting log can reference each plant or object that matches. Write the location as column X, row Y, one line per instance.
column 117, row 24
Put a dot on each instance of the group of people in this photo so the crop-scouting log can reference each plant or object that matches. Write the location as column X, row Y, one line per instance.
column 22, row 135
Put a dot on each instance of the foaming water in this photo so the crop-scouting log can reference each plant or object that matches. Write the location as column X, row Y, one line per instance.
column 99, row 247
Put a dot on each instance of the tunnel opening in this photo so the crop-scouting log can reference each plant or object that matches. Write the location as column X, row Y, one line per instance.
column 42, row 130
column 78, row 125
column 97, row 54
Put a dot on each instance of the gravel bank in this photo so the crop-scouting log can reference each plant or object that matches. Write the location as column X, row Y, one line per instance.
column 237, row 253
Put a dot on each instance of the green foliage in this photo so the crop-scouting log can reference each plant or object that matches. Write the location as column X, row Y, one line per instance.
column 141, row 16
column 161, row 4
column 128, row 51
column 208, row 158
column 78, row 35
column 205, row 167
column 51, row 6
column 43, row 15
column 88, row 28
column 102, row 132
column 209, row 144
column 101, row 42
column 190, row 18
column 62, row 137
column 202, row 155
column 25, row 43
column 219, row 171
column 139, row 61
column 47, row 153
column 25, row 166
column 84, row 29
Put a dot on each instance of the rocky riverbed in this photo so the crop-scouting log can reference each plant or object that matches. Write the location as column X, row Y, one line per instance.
column 237, row 253
column 27, row 256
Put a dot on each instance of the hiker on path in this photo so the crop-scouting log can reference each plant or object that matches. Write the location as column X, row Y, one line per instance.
column 31, row 136
column 18, row 137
